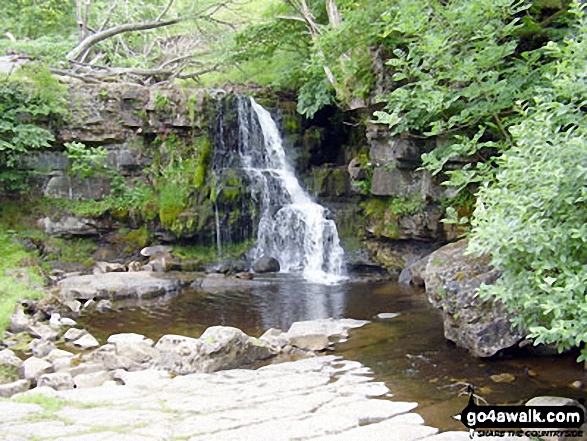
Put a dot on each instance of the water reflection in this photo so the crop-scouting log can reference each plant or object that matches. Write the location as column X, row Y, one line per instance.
column 282, row 304
column 408, row 352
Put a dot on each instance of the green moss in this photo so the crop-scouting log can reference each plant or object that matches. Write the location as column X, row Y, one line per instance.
column 20, row 275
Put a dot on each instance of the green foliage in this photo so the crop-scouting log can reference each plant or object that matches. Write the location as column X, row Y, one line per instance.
column 457, row 74
column 31, row 101
column 49, row 49
column 85, row 162
column 533, row 219
column 33, row 19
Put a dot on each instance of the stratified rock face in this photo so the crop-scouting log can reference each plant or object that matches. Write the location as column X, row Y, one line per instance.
column 452, row 280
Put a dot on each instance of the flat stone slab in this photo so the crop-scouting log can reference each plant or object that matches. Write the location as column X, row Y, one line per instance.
column 324, row 398
column 118, row 285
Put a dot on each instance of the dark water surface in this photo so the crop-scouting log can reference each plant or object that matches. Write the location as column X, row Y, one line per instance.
column 408, row 352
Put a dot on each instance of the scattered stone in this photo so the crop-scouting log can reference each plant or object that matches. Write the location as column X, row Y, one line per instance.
column 244, row 276
column 107, row 267
column 86, row 368
column 106, row 355
column 156, row 250
column 503, row 378
column 327, row 327
column 135, row 266
column 61, row 364
column 577, row 384
column 43, row 332
column 57, row 354
column 219, row 348
column 93, row 379
column 266, row 264
column 41, row 348
column 55, row 320
column 10, row 360
column 276, row 338
column 74, row 334
column 9, row 389
column 86, row 341
column 35, row 367
column 66, row 321
column 388, row 315
column 129, row 338
column 57, row 381
column 139, row 352
column 311, row 342
column 19, row 322
column 104, row 306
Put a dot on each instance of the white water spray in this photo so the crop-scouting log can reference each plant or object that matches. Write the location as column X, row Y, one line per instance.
column 292, row 228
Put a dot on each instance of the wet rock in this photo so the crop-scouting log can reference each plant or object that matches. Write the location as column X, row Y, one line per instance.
column 503, row 378
column 117, row 285
column 244, row 276
column 315, row 334
column 311, row 342
column 57, row 381
column 86, row 341
column 9, row 389
column 413, row 273
column 387, row 315
column 266, row 264
column 35, row 367
column 452, row 280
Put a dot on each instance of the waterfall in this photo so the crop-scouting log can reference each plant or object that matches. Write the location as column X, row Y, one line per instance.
column 292, row 228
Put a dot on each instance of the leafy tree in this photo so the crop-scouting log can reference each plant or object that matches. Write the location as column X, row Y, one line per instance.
column 533, row 218
column 31, row 101
column 33, row 19
column 458, row 70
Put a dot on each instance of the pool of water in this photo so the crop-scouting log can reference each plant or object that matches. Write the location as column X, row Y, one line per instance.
column 407, row 352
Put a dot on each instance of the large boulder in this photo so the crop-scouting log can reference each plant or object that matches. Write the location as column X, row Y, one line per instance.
column 452, row 280
column 117, row 285
column 266, row 264
column 219, row 348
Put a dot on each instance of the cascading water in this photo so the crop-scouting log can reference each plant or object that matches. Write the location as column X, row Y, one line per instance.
column 292, row 228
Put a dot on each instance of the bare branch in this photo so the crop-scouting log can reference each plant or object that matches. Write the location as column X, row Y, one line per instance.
column 92, row 40
column 108, row 16
column 165, row 11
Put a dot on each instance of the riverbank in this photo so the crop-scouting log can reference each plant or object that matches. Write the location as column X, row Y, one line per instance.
column 322, row 398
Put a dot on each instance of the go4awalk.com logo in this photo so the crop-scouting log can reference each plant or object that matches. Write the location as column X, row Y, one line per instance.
column 522, row 420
